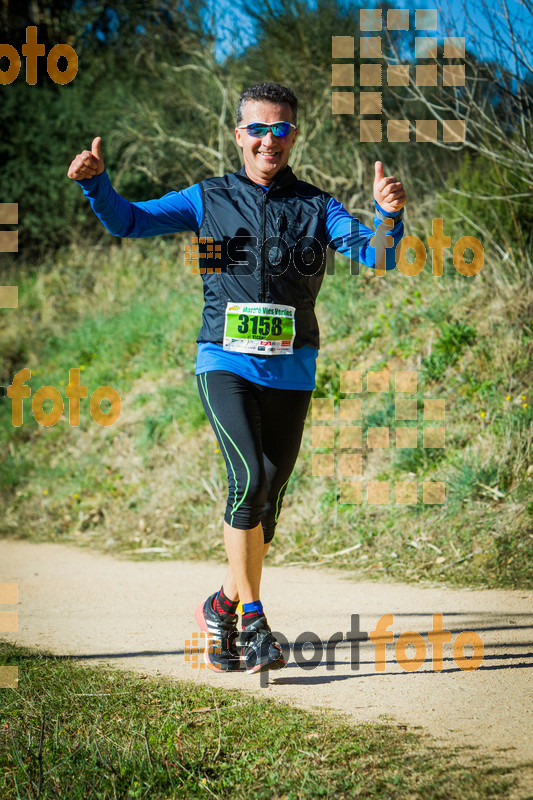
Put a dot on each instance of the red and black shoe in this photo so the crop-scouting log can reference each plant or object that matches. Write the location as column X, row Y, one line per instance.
column 260, row 650
column 220, row 654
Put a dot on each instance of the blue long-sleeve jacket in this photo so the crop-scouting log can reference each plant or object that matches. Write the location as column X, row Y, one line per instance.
column 179, row 211
column 184, row 211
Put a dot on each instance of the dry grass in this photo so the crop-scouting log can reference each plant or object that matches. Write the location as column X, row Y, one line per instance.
column 155, row 480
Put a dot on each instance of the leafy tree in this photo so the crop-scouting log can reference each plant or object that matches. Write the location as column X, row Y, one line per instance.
column 43, row 126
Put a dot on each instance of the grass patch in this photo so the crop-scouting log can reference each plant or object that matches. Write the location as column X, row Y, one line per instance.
column 129, row 316
column 453, row 339
column 81, row 732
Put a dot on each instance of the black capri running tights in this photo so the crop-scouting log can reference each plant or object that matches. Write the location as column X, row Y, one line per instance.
column 259, row 430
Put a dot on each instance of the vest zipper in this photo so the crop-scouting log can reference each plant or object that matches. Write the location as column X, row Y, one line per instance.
column 262, row 245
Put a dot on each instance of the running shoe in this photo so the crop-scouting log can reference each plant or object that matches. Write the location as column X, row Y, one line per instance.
column 220, row 653
column 260, row 650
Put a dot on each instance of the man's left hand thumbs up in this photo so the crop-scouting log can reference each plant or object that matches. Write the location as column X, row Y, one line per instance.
column 389, row 193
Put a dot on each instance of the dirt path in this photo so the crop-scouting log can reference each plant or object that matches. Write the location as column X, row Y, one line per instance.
column 138, row 615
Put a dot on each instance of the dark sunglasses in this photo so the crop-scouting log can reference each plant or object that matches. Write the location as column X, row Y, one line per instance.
column 260, row 129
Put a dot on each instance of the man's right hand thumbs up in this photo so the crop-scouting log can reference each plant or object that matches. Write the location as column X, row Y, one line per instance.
column 87, row 164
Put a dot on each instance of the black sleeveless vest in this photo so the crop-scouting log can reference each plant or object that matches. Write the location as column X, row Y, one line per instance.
column 266, row 247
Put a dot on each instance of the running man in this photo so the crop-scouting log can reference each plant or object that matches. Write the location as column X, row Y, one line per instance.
column 258, row 344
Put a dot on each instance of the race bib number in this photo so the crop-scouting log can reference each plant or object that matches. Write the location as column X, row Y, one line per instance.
column 260, row 329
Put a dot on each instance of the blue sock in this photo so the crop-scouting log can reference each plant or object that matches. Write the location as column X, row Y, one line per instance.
column 251, row 612
column 253, row 607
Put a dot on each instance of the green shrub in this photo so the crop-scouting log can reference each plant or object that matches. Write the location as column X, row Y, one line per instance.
column 453, row 339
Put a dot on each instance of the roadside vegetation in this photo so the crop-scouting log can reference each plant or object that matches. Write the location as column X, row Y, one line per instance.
column 127, row 312
column 153, row 485
column 73, row 730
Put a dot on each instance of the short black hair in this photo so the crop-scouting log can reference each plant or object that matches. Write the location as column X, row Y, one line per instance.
column 270, row 93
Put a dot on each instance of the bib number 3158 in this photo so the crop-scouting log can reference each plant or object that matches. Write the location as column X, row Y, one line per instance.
column 259, row 325
column 259, row 329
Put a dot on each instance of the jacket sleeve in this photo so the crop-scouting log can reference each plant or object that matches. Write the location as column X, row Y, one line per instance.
column 172, row 213
column 349, row 236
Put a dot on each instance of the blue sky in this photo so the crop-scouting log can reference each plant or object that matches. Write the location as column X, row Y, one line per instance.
column 233, row 24
column 234, row 29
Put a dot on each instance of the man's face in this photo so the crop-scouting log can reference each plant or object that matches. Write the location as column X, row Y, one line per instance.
column 264, row 158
